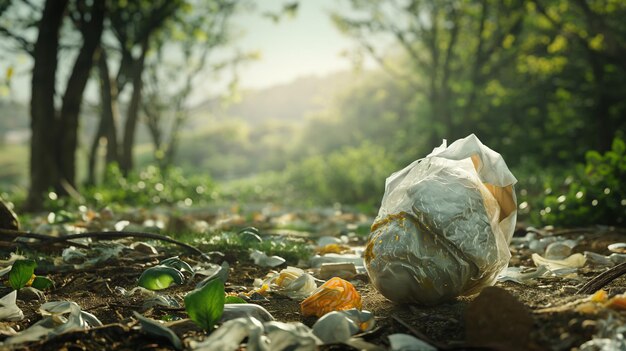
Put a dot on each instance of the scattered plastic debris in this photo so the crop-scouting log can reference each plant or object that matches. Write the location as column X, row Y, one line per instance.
column 317, row 260
column 339, row 326
column 518, row 275
column 237, row 310
column 291, row 281
column 261, row 259
column 334, row 295
column 405, row 342
column 341, row 270
column 619, row 248
column 8, row 308
column 261, row 336
column 574, row 261
column 55, row 322
column 601, row 260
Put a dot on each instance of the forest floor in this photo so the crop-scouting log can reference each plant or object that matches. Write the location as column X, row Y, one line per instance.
column 544, row 313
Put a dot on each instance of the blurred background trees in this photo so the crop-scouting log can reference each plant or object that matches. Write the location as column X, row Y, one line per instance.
column 542, row 82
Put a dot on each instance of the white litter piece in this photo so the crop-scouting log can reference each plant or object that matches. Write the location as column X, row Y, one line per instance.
column 8, row 308
column 261, row 259
column 405, row 342
column 574, row 261
column 514, row 274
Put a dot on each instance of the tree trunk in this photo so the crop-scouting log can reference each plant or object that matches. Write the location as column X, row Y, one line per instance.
column 73, row 97
column 107, row 128
column 602, row 103
column 132, row 117
column 44, row 172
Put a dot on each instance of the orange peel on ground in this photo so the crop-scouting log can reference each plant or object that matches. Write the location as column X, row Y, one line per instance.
column 334, row 295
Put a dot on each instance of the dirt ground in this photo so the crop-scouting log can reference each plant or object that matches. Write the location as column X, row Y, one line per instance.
column 500, row 321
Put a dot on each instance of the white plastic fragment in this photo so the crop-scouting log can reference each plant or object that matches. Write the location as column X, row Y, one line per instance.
column 291, row 281
column 560, row 249
column 327, row 240
column 261, row 259
column 601, row 260
column 5, row 270
column 317, row 260
column 55, row 322
column 8, row 308
column 290, row 336
column 334, row 327
column 238, row 310
column 12, row 258
column 405, row 342
column 339, row 326
column 231, row 334
column 574, row 261
column 514, row 274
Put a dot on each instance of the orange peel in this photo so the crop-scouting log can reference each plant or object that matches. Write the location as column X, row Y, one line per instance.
column 334, row 295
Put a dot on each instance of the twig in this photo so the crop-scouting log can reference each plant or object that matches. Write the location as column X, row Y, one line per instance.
column 101, row 235
column 603, row 279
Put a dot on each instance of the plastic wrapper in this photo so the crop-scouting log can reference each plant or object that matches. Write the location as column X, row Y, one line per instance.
column 334, row 295
column 444, row 225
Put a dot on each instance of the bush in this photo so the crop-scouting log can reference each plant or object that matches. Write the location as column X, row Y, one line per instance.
column 596, row 195
column 351, row 175
column 150, row 186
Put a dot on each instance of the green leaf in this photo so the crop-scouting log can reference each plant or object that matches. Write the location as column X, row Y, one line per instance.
column 160, row 277
column 42, row 283
column 21, row 272
column 177, row 263
column 206, row 304
column 234, row 299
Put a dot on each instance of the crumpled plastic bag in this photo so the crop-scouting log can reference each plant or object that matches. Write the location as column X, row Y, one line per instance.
column 444, row 225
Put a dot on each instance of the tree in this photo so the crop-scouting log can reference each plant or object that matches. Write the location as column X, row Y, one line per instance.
column 596, row 32
column 54, row 134
column 199, row 33
column 458, row 45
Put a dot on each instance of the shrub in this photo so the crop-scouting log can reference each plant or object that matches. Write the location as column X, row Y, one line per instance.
column 596, row 195
column 351, row 175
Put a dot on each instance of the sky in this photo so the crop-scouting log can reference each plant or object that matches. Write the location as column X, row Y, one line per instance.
column 307, row 44
column 304, row 45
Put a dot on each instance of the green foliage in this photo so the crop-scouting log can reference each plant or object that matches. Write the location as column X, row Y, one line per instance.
column 596, row 195
column 350, row 175
column 151, row 186
column 42, row 283
column 234, row 299
column 291, row 249
column 177, row 263
column 21, row 273
column 206, row 304
column 160, row 277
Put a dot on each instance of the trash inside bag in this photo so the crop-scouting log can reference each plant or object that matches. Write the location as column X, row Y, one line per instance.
column 444, row 225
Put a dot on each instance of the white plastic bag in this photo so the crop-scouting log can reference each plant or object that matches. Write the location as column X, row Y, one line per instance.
column 444, row 225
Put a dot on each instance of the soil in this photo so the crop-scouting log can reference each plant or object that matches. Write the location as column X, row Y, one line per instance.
column 511, row 312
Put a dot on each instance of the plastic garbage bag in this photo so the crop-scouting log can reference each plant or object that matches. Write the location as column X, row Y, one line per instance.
column 444, row 225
